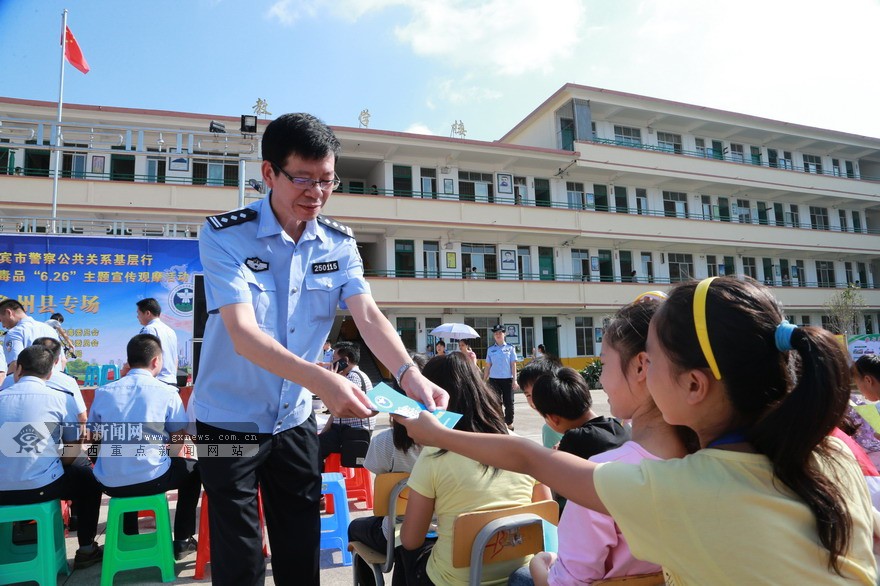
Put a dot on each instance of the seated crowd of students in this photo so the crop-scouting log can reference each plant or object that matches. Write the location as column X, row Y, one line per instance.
column 736, row 453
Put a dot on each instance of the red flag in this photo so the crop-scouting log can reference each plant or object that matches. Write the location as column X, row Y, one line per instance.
column 73, row 53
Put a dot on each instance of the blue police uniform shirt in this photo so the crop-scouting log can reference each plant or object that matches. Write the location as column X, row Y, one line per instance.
column 499, row 359
column 294, row 288
column 30, row 450
column 4, row 366
column 137, row 415
column 23, row 335
column 168, row 339
column 68, row 385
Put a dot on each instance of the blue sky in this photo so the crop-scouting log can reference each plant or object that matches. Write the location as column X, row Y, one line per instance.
column 420, row 65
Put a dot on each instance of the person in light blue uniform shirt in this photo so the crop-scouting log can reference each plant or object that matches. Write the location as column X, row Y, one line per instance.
column 500, row 371
column 61, row 382
column 138, row 416
column 31, row 457
column 21, row 332
column 3, row 367
column 148, row 315
column 275, row 274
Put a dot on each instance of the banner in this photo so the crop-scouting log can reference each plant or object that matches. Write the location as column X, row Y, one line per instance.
column 94, row 282
column 858, row 346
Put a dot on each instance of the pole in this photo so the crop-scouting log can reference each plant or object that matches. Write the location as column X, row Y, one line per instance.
column 58, row 125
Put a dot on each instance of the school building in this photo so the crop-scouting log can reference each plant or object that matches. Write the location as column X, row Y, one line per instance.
column 593, row 198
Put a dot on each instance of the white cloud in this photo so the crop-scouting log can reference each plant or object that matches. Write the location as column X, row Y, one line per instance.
column 464, row 91
column 287, row 12
column 505, row 37
column 419, row 128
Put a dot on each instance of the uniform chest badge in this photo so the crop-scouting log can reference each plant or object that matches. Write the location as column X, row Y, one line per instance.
column 325, row 267
column 256, row 264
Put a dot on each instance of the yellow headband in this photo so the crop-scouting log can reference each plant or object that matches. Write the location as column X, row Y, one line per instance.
column 700, row 324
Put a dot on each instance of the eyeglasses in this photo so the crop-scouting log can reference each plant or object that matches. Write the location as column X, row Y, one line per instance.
column 305, row 183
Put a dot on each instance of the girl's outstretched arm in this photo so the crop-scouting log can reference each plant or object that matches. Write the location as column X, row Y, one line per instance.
column 568, row 475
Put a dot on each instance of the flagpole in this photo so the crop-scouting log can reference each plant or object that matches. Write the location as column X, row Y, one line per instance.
column 58, row 125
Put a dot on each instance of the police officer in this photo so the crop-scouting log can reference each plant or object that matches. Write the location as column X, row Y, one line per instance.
column 148, row 315
column 500, row 371
column 275, row 273
column 22, row 330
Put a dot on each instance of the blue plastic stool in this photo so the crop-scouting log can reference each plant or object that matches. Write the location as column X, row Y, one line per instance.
column 145, row 550
column 109, row 373
column 93, row 375
column 41, row 561
column 551, row 539
column 334, row 528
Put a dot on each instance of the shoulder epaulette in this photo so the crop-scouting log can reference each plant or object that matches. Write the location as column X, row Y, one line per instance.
column 232, row 218
column 331, row 223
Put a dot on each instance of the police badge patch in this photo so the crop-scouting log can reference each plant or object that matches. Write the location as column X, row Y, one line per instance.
column 256, row 265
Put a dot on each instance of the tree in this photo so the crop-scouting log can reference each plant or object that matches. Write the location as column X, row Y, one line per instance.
column 845, row 310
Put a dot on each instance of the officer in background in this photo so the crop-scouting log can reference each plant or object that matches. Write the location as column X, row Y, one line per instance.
column 148, row 315
column 500, row 371
column 275, row 273
column 22, row 330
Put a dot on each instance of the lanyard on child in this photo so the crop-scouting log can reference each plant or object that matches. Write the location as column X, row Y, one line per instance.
column 736, row 436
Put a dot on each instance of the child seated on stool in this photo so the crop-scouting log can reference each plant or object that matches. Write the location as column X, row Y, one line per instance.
column 139, row 463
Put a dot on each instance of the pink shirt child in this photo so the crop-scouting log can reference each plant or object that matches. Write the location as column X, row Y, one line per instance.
column 591, row 546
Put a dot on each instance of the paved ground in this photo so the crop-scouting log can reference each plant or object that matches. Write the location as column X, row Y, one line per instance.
column 527, row 423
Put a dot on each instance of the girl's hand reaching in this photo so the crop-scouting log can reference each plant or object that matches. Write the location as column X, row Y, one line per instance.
column 425, row 429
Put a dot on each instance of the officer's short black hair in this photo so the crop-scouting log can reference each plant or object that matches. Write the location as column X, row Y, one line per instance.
column 11, row 304
column 151, row 305
column 52, row 344
column 57, row 317
column 298, row 134
column 36, row 360
column 141, row 350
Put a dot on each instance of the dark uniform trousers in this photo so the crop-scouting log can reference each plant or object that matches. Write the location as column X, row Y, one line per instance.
column 285, row 467
column 504, row 388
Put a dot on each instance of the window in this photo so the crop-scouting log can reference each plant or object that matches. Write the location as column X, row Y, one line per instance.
column 606, row 267
column 520, row 191
column 642, row 201
column 406, row 329
column 785, row 161
column 431, row 259
column 481, row 256
column 566, row 134
column 647, row 267
column 768, row 271
column 799, row 274
column 542, row 193
column 600, row 197
column 862, row 277
column 577, row 199
column 681, row 267
column 674, row 204
column 402, row 181
column 669, row 142
column 429, row 183
column 848, row 272
column 825, row 273
column 857, row 222
column 580, row 264
column 805, row 320
column 628, row 136
column 772, row 158
column 156, row 169
column 813, row 164
column 737, row 154
column 743, row 211
column 430, row 324
column 483, row 325
column 706, row 204
column 827, row 324
column 841, row 214
column 627, row 271
column 583, row 331
column 835, row 167
column 749, row 267
column 212, row 172
column 850, row 169
column 819, row 218
column 756, row 155
column 701, row 148
column 474, row 186
column 711, row 265
column 621, row 203
column 404, row 259
column 527, row 333
column 524, row 263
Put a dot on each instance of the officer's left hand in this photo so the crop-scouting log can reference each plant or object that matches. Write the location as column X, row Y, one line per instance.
column 424, row 391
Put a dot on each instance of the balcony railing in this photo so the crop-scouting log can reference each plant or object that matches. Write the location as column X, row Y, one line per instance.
column 129, row 177
column 578, row 278
column 93, row 227
column 725, row 155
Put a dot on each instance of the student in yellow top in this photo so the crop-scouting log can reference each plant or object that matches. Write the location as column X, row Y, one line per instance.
column 769, row 498
column 447, row 484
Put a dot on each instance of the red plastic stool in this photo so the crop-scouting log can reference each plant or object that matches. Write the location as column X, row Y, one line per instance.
column 203, row 551
column 358, row 482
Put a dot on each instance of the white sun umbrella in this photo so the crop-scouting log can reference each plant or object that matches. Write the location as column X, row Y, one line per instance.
column 455, row 331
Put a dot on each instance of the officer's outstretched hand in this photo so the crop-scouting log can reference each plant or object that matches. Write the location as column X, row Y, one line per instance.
column 342, row 397
column 424, row 391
